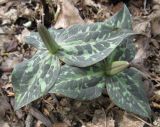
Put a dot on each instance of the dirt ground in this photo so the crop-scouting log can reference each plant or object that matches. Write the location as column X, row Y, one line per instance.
column 17, row 17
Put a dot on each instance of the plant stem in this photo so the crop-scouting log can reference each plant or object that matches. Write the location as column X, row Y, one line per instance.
column 47, row 39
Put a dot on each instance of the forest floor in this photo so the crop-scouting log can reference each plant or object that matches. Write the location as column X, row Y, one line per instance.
column 20, row 16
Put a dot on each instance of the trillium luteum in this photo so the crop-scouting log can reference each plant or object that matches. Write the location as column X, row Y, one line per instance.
column 79, row 45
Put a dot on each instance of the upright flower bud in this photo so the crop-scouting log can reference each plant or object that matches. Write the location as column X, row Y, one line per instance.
column 116, row 67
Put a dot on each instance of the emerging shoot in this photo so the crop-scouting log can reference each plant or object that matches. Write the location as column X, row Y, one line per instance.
column 47, row 39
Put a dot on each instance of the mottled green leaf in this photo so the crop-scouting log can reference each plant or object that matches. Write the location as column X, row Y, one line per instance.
column 122, row 19
column 87, row 44
column 126, row 90
column 35, row 40
column 89, row 47
column 80, row 45
column 84, row 45
column 125, row 51
column 33, row 78
column 80, row 83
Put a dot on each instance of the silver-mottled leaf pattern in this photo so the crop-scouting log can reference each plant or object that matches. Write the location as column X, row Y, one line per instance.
column 124, row 19
column 87, row 48
column 87, row 44
column 80, row 83
column 84, row 45
column 35, row 40
column 126, row 90
column 125, row 51
column 33, row 78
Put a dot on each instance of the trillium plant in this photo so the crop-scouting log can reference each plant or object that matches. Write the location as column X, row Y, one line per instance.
column 80, row 62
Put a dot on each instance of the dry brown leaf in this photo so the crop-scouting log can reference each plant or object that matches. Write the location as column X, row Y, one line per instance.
column 90, row 3
column 60, row 125
column 155, row 26
column 117, row 7
column 3, row 1
column 10, row 94
column 9, row 16
column 157, row 92
column 75, row 1
column 109, row 123
column 1, row 31
column 11, row 46
column 4, row 106
column 155, row 10
column 4, row 124
column 156, row 122
column 21, row 36
column 7, row 86
column 68, row 16
column 129, row 121
column 46, row 112
column 100, row 120
column 155, row 105
column 142, row 26
column 135, row 10
column 156, row 1
column 41, row 117
column 4, row 39
column 142, row 44
column 12, row 60
column 38, row 124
